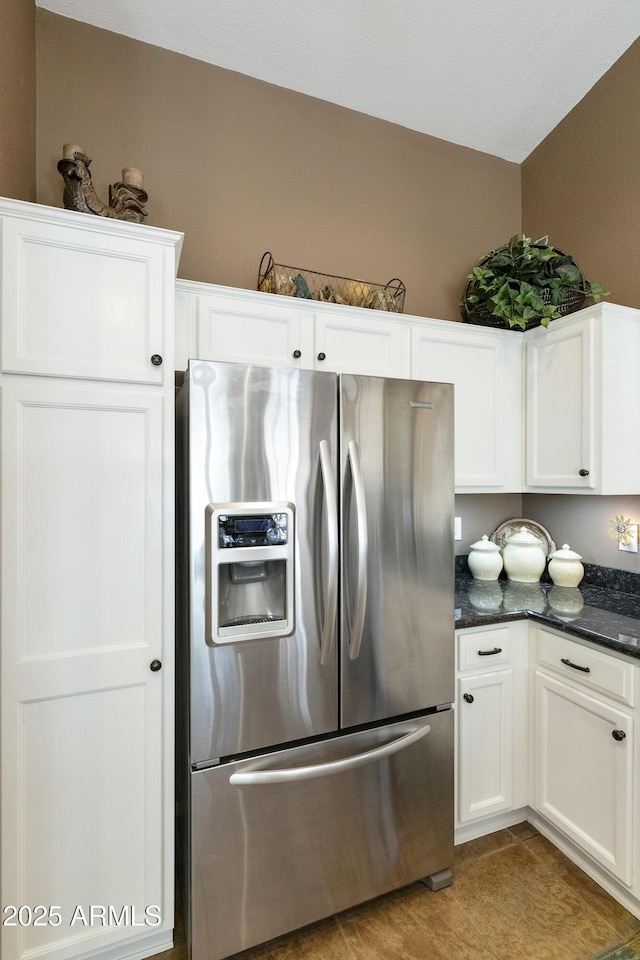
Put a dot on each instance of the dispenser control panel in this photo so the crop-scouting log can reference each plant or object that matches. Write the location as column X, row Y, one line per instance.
column 250, row 593
column 259, row 530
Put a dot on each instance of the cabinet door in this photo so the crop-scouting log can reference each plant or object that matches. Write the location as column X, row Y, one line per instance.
column 583, row 771
column 369, row 345
column 83, row 303
column 263, row 331
column 560, row 407
column 87, row 800
column 487, row 373
column 485, row 744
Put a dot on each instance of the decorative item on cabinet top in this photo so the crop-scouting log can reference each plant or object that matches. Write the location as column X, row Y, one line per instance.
column 126, row 197
column 526, row 284
column 310, row 285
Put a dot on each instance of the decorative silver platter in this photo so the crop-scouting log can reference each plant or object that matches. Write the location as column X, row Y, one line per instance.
column 509, row 527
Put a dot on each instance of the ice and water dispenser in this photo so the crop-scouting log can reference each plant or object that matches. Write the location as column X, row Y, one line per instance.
column 250, row 567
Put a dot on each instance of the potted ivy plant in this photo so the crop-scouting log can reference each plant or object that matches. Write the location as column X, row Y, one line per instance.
column 524, row 284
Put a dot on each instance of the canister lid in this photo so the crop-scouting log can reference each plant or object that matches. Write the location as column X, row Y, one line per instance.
column 485, row 544
column 525, row 537
column 565, row 553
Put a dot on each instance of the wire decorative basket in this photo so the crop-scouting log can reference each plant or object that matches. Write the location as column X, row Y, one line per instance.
column 310, row 285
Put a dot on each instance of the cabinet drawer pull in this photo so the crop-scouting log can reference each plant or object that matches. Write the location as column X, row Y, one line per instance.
column 575, row 666
column 468, row 697
column 489, row 653
column 618, row 734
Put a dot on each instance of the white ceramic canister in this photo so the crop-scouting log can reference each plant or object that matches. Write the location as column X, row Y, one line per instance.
column 524, row 557
column 565, row 568
column 484, row 560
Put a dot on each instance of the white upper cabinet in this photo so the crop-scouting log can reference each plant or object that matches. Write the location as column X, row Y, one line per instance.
column 486, row 367
column 234, row 325
column 582, row 394
column 242, row 326
column 223, row 323
column 361, row 341
column 87, row 296
column 564, row 395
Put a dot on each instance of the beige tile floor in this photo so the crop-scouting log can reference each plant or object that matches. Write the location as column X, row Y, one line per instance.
column 514, row 897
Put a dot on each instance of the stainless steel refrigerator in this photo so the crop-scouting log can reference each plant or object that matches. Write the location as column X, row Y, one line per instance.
column 315, row 645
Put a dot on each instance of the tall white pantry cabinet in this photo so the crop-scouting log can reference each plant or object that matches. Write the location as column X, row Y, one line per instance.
column 86, row 387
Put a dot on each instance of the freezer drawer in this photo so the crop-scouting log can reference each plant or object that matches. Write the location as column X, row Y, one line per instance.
column 282, row 840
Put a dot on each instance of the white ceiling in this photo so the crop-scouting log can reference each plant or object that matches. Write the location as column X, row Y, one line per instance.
column 496, row 76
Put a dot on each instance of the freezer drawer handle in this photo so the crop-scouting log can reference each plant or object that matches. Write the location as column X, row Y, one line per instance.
column 291, row 774
column 333, row 555
column 363, row 550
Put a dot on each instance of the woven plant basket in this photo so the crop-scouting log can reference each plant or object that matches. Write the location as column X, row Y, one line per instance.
column 478, row 313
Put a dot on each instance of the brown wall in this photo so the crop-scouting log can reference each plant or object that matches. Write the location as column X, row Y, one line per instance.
column 582, row 187
column 582, row 184
column 18, row 100
column 243, row 166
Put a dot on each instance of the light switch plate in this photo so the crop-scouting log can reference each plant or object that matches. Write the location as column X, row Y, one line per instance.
column 457, row 528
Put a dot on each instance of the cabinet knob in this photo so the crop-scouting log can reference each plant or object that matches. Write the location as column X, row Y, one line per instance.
column 583, row 473
column 297, row 354
column 468, row 697
column 322, row 356
column 156, row 359
column 618, row 734
column 155, row 665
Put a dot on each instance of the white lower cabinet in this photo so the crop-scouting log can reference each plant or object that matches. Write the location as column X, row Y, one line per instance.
column 546, row 731
column 87, row 674
column 583, row 749
column 491, row 722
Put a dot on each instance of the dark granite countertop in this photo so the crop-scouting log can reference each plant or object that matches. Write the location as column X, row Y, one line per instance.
column 604, row 609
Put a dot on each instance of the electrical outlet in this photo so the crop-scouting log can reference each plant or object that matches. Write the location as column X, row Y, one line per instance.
column 457, row 529
column 632, row 543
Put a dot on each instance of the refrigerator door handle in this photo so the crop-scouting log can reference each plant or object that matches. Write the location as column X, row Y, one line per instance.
column 291, row 774
column 333, row 553
column 353, row 458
